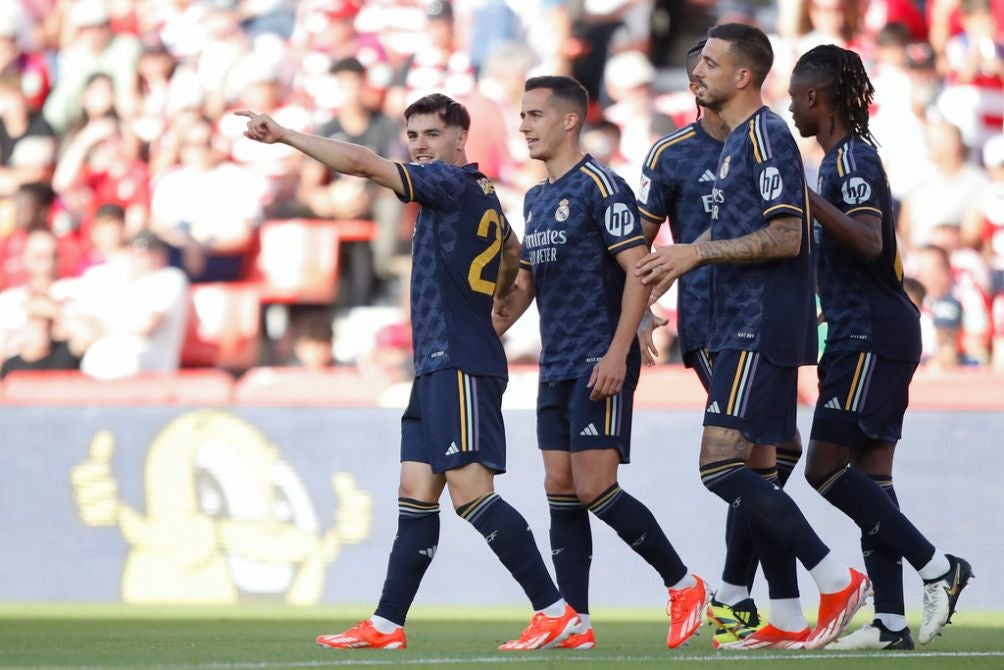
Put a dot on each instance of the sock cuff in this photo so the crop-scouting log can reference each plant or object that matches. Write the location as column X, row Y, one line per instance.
column 564, row 502
column 473, row 510
column 788, row 458
column 826, row 482
column 713, row 473
column 416, row 508
column 769, row 474
column 605, row 499
column 885, row 481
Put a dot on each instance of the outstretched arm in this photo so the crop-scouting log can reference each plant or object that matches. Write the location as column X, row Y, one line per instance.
column 343, row 157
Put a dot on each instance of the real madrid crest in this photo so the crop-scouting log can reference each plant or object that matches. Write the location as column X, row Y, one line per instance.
column 561, row 213
column 725, row 167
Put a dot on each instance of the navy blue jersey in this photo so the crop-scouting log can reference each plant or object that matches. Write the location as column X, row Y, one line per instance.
column 574, row 228
column 455, row 262
column 768, row 307
column 676, row 182
column 863, row 301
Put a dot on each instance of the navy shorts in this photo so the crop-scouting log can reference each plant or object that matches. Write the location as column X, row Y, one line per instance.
column 703, row 363
column 862, row 398
column 753, row 396
column 454, row 419
column 567, row 420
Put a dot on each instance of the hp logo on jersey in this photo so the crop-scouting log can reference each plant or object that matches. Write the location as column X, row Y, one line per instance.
column 855, row 191
column 770, row 184
column 619, row 219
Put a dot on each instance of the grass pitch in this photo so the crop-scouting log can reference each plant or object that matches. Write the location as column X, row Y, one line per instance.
column 96, row 637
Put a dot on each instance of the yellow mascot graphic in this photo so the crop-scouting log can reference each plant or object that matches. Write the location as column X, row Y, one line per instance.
column 226, row 520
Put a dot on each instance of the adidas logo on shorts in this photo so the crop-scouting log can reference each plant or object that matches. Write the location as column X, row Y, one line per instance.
column 833, row 403
column 713, row 408
column 453, row 449
column 589, row 430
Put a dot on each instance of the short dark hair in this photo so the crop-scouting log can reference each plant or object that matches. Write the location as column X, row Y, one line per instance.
column 749, row 45
column 313, row 326
column 348, row 64
column 694, row 57
column 449, row 110
column 110, row 210
column 564, row 89
column 42, row 192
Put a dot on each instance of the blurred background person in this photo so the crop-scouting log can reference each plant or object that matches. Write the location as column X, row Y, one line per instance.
column 207, row 208
column 136, row 310
column 40, row 346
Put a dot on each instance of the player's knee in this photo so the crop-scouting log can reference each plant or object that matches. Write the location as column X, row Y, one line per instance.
column 589, row 491
column 822, row 461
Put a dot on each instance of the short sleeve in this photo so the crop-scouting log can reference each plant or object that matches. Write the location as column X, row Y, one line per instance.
column 654, row 191
column 429, row 185
column 617, row 216
column 777, row 169
column 858, row 182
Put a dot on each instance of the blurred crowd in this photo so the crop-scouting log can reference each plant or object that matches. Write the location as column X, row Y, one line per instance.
column 125, row 180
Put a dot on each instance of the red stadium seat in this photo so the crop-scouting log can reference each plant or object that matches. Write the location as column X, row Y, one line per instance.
column 49, row 387
column 224, row 326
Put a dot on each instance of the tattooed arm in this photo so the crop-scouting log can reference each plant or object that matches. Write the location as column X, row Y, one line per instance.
column 782, row 238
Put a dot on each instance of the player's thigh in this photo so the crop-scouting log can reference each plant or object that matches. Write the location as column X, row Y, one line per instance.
column 862, row 399
column 600, row 424
column 454, row 420
column 752, row 396
column 558, row 472
column 469, row 482
column 594, row 471
column 418, row 482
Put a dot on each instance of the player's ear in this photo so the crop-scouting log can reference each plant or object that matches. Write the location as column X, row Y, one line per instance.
column 572, row 120
column 744, row 77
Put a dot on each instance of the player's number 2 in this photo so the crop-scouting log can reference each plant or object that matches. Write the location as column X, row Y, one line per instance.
column 489, row 221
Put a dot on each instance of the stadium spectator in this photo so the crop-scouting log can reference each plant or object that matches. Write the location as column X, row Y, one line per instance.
column 959, row 310
column 91, row 47
column 206, row 209
column 40, row 347
column 27, row 142
column 40, row 260
column 312, row 341
column 32, row 209
column 973, row 96
column 949, row 190
column 136, row 308
column 107, row 235
column 345, row 197
column 101, row 165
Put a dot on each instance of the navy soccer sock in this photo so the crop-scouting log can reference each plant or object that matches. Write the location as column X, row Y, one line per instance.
column 863, row 500
column 884, row 566
column 770, row 509
column 413, row 550
column 787, row 459
column 741, row 557
column 509, row 536
column 571, row 549
column 635, row 524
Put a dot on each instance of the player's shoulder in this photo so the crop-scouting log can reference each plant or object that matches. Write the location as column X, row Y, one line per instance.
column 600, row 181
column 853, row 155
column 668, row 147
column 768, row 135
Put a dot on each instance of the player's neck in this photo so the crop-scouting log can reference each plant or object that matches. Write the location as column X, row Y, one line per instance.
column 563, row 161
column 713, row 124
column 829, row 137
column 459, row 159
column 740, row 108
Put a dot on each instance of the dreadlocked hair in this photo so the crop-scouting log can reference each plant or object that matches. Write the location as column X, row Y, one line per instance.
column 842, row 71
